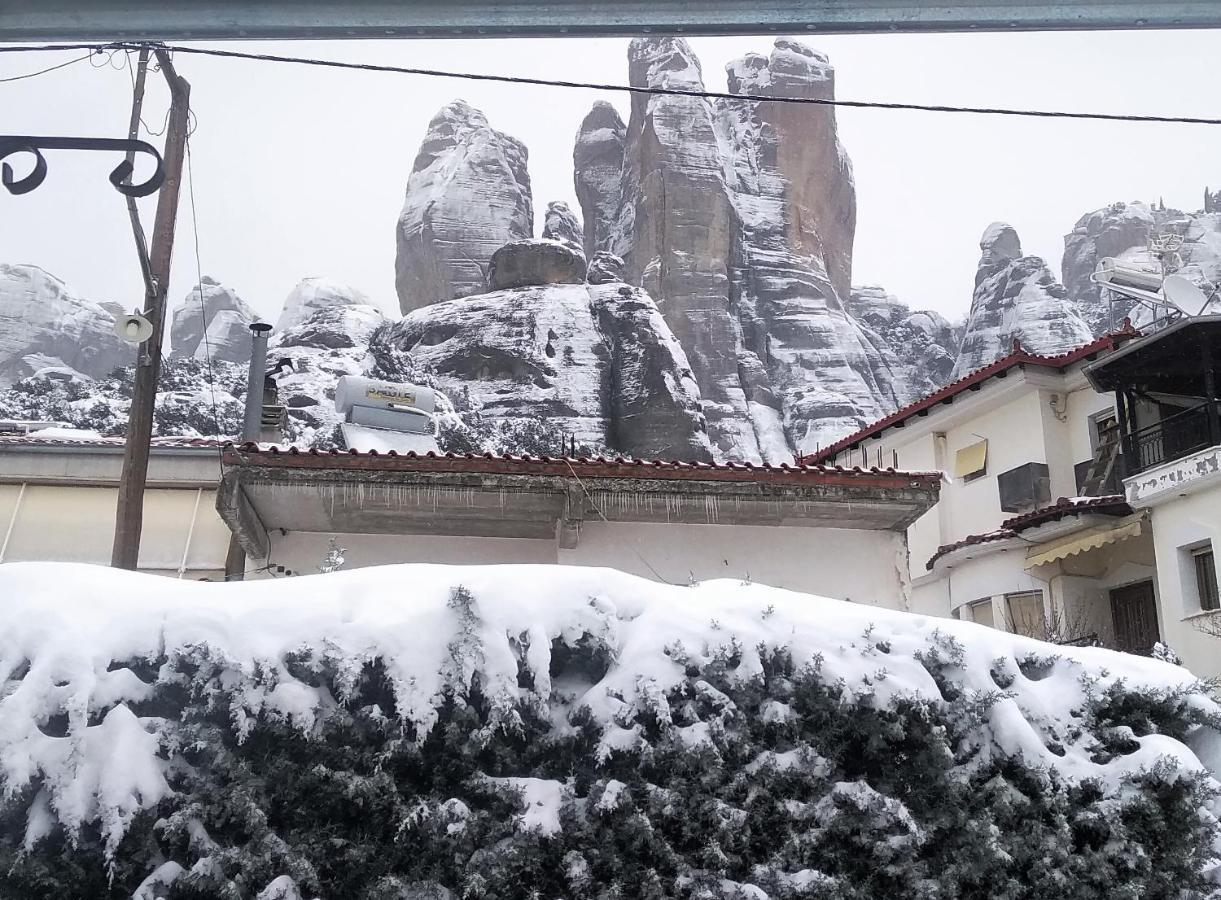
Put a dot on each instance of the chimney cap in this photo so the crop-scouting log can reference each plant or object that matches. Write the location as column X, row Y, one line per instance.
column 259, row 327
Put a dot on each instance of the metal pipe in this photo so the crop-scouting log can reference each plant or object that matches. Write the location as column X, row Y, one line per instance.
column 186, row 548
column 12, row 522
column 255, row 381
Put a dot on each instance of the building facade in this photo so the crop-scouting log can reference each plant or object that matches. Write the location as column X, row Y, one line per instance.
column 1042, row 526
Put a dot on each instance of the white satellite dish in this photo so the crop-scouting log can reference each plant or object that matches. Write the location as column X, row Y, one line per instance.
column 133, row 328
column 1182, row 292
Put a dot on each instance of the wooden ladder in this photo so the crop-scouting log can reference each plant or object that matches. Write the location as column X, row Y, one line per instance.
column 1103, row 464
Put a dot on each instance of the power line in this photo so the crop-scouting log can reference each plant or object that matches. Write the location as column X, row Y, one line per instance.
column 623, row 88
column 64, row 65
column 203, row 309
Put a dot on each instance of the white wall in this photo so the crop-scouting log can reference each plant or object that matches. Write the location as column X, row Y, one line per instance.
column 303, row 551
column 76, row 524
column 862, row 566
column 1178, row 525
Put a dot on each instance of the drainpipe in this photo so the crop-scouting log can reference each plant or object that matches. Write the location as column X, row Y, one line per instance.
column 254, row 380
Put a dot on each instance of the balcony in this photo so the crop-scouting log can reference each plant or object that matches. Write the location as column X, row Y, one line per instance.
column 1173, row 437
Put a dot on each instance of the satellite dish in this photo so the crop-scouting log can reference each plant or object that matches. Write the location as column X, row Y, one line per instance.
column 133, row 328
column 1181, row 292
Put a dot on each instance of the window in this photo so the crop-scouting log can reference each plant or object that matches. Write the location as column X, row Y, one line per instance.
column 971, row 462
column 981, row 612
column 1206, row 577
column 1025, row 614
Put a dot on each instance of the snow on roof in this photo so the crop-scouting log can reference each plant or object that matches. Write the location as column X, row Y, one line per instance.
column 1018, row 357
column 70, row 633
column 1109, row 505
column 598, row 466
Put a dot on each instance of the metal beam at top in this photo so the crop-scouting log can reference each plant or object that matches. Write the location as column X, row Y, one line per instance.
column 90, row 20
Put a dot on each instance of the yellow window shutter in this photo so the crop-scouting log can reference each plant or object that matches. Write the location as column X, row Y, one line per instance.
column 972, row 460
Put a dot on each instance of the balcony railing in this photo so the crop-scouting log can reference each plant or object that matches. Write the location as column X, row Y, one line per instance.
column 1174, row 437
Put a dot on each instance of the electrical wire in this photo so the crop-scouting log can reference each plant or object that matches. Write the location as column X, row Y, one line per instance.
column 62, row 65
column 623, row 88
column 203, row 311
column 631, row 546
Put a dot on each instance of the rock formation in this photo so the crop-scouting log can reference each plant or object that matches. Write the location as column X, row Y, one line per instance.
column 561, row 224
column 920, row 347
column 468, row 194
column 44, row 326
column 594, row 362
column 1016, row 299
column 791, row 185
column 324, row 331
column 1122, row 231
column 217, row 311
column 313, row 294
column 526, row 263
column 597, row 162
column 604, row 267
column 739, row 219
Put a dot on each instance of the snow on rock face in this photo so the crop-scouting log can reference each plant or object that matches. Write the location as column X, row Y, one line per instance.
column 591, row 362
column 1122, row 231
column 677, row 672
column 920, row 347
column 312, row 294
column 791, row 185
column 561, row 224
column 330, row 328
column 526, row 263
column 44, row 325
column 604, row 268
column 1016, row 299
column 468, row 195
column 219, row 312
column 739, row 219
column 597, row 160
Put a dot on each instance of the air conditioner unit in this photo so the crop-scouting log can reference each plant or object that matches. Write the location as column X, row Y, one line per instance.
column 1024, row 488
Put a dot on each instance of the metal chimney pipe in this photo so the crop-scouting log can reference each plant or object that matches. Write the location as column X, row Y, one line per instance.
column 254, row 381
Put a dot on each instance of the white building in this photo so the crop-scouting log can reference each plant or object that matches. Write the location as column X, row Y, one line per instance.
column 58, row 497
column 1013, row 543
column 838, row 534
column 790, row 526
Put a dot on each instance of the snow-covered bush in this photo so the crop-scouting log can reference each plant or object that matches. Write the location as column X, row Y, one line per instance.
column 512, row 732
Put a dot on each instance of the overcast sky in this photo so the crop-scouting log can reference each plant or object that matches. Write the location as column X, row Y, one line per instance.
column 301, row 172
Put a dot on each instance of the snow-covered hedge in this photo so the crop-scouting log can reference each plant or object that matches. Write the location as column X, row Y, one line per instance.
column 419, row 732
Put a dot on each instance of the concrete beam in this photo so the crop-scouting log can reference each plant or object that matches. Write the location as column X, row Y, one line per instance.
column 480, row 504
column 76, row 20
column 236, row 510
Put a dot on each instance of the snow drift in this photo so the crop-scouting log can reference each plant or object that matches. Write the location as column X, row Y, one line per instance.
column 493, row 730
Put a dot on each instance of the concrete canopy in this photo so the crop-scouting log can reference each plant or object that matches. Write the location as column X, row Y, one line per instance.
column 542, row 498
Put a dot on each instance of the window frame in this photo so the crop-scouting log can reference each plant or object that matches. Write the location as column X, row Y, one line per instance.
column 1204, row 574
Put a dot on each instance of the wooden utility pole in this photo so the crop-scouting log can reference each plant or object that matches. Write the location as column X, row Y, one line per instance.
column 129, row 519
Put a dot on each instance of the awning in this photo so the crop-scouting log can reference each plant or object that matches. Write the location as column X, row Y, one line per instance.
column 1084, row 541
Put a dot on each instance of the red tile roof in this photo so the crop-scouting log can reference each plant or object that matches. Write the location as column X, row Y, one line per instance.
column 595, row 467
column 1110, row 505
column 1000, row 368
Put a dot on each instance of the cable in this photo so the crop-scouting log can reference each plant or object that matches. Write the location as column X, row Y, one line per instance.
column 631, row 546
column 63, row 65
column 594, row 86
column 203, row 311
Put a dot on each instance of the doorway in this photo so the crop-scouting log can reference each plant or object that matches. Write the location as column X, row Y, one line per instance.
column 1134, row 612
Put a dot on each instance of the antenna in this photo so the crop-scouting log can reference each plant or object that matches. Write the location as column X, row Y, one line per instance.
column 1183, row 294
